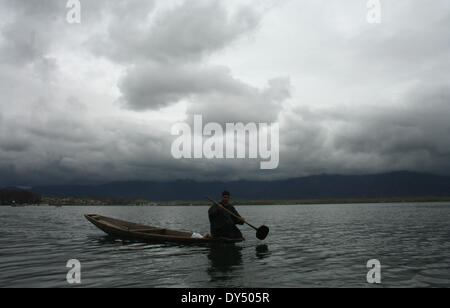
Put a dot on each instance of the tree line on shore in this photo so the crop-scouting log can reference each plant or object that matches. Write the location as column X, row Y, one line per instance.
column 24, row 197
column 18, row 197
column 11, row 197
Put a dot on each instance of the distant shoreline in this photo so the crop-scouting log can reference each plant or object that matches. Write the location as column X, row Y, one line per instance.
column 57, row 202
column 306, row 202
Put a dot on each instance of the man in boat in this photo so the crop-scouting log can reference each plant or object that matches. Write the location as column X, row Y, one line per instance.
column 222, row 223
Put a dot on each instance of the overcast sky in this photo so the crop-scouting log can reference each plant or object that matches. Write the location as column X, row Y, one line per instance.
column 95, row 102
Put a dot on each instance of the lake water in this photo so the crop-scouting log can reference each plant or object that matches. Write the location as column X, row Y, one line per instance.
column 308, row 246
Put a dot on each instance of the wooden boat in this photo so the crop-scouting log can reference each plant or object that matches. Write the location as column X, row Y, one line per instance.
column 128, row 230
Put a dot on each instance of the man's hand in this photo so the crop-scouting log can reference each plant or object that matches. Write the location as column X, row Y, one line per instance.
column 242, row 219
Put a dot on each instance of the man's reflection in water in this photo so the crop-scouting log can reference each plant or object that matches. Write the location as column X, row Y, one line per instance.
column 223, row 258
column 262, row 251
column 226, row 258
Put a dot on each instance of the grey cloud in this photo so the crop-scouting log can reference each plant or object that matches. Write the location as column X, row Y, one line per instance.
column 378, row 98
column 211, row 91
column 186, row 32
column 154, row 86
column 13, row 145
column 32, row 30
column 198, row 28
column 252, row 105
column 165, row 49
column 413, row 136
column 78, row 149
column 420, row 126
column 52, row 138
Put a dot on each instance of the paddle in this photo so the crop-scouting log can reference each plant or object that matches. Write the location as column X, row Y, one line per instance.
column 261, row 232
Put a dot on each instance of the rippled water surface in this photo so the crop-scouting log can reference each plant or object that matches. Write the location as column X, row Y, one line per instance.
column 308, row 246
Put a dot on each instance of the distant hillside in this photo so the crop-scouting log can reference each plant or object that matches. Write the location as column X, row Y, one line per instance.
column 395, row 184
column 14, row 196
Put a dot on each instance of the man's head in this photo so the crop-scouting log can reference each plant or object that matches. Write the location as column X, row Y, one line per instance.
column 225, row 197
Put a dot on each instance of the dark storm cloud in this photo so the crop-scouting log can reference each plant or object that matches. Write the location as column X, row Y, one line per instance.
column 14, row 145
column 416, row 135
column 353, row 98
column 413, row 136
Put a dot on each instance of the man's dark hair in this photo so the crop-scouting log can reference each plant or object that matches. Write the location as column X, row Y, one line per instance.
column 226, row 193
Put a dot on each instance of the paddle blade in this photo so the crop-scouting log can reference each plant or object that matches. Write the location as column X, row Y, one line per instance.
column 262, row 232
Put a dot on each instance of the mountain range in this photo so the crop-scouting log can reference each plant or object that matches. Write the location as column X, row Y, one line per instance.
column 393, row 184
